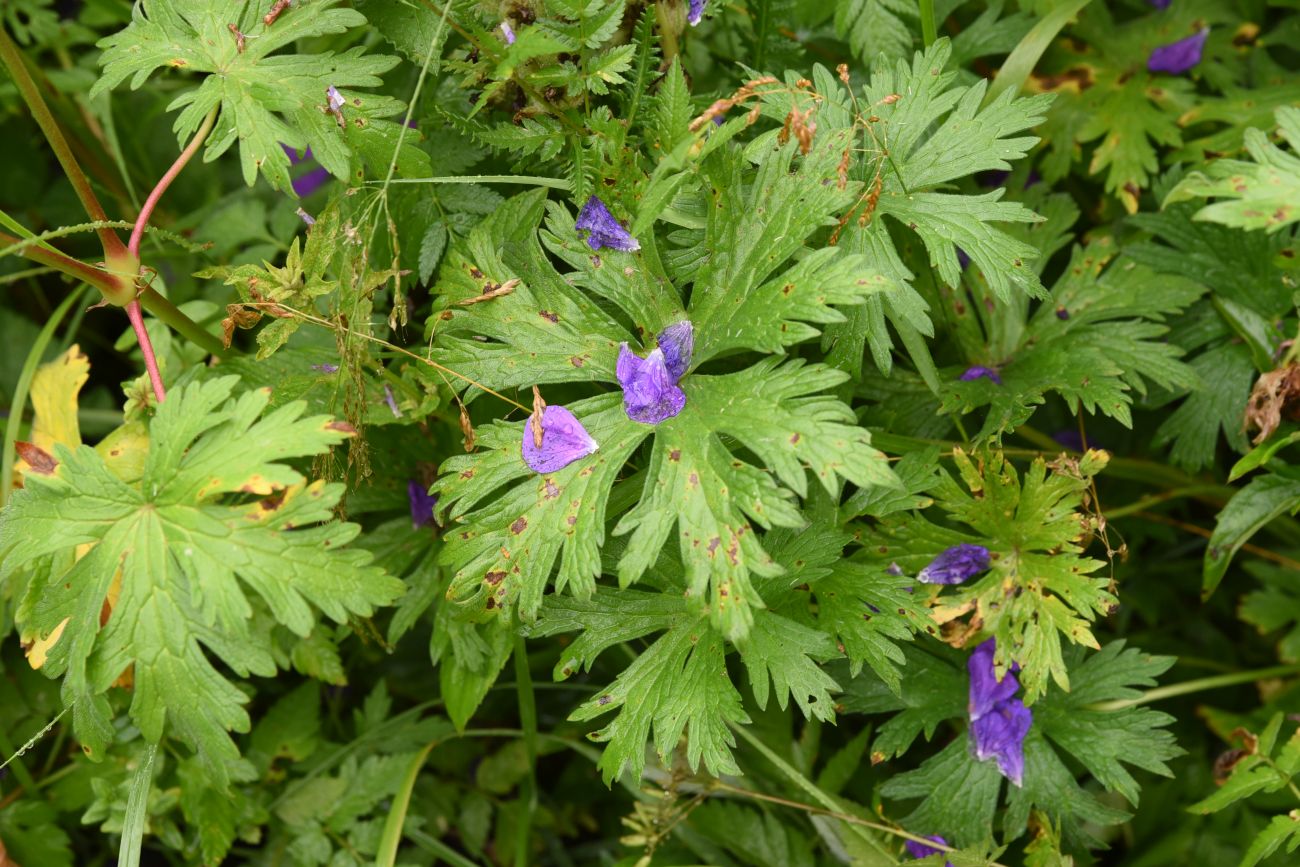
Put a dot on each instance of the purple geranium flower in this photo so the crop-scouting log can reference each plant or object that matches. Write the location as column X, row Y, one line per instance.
column 695, row 12
column 305, row 185
column 564, row 440
column 508, row 32
column 963, row 258
column 650, row 390
column 422, row 503
column 335, row 98
column 980, row 372
column 677, row 342
column 955, row 564
column 650, row 394
column 920, row 850
column 603, row 229
column 1178, row 57
column 998, row 720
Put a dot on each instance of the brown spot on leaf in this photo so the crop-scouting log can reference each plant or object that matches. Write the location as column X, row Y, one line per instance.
column 38, row 459
column 549, row 316
column 494, row 577
column 342, row 427
column 550, row 490
column 675, row 455
column 576, row 360
column 520, row 524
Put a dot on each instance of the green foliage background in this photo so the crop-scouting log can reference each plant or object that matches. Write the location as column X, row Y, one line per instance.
column 225, row 640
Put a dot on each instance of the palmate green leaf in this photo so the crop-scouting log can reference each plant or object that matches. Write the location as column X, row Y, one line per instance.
column 1094, row 341
column 874, row 27
column 1252, row 195
column 265, row 99
column 1040, row 588
column 959, row 794
column 187, row 545
column 920, row 135
column 552, row 328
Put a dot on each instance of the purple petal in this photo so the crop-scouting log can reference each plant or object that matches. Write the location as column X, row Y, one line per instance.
column 392, row 402
column 677, row 342
column 309, row 183
column 1159, row 4
column 695, row 12
column 963, row 259
column 986, row 691
column 603, row 229
column 650, row 394
column 306, row 217
column 998, row 720
column 955, row 564
column 326, row 368
column 292, row 153
column 564, row 440
column 920, row 850
column 1000, row 735
column 980, row 372
column 1178, row 57
column 508, row 32
column 422, row 503
column 336, row 100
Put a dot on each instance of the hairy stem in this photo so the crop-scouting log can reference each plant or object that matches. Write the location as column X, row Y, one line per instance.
column 13, row 61
column 137, row 234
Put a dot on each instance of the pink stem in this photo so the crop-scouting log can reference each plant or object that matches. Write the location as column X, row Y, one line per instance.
column 146, row 347
column 137, row 233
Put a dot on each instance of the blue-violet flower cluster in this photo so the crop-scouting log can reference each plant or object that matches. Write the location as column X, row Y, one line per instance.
column 650, row 390
column 603, row 230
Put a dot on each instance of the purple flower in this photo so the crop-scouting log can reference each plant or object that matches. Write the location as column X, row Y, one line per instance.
column 963, row 258
column 391, row 401
column 1070, row 438
column 920, row 850
column 306, row 217
column 564, row 440
column 677, row 342
column 695, row 12
column 326, row 368
column 955, row 564
column 604, row 230
column 335, row 98
column 1159, row 4
column 422, row 503
column 310, row 182
column 998, row 720
column 980, row 372
column 1178, row 57
column 650, row 393
column 508, row 32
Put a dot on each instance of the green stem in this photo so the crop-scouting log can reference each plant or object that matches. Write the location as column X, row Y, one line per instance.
column 12, row 58
column 808, row 786
column 1199, row 685
column 929, row 32
column 528, row 721
column 24, row 383
column 183, row 325
column 1144, row 503
column 109, row 285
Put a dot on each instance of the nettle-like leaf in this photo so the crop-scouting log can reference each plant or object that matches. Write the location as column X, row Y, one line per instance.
column 215, row 515
column 1040, row 587
column 265, row 100
column 914, row 135
column 552, row 328
column 1094, row 341
column 1252, row 195
column 959, row 794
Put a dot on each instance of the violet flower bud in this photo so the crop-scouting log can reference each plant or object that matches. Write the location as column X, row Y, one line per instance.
column 954, row 565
